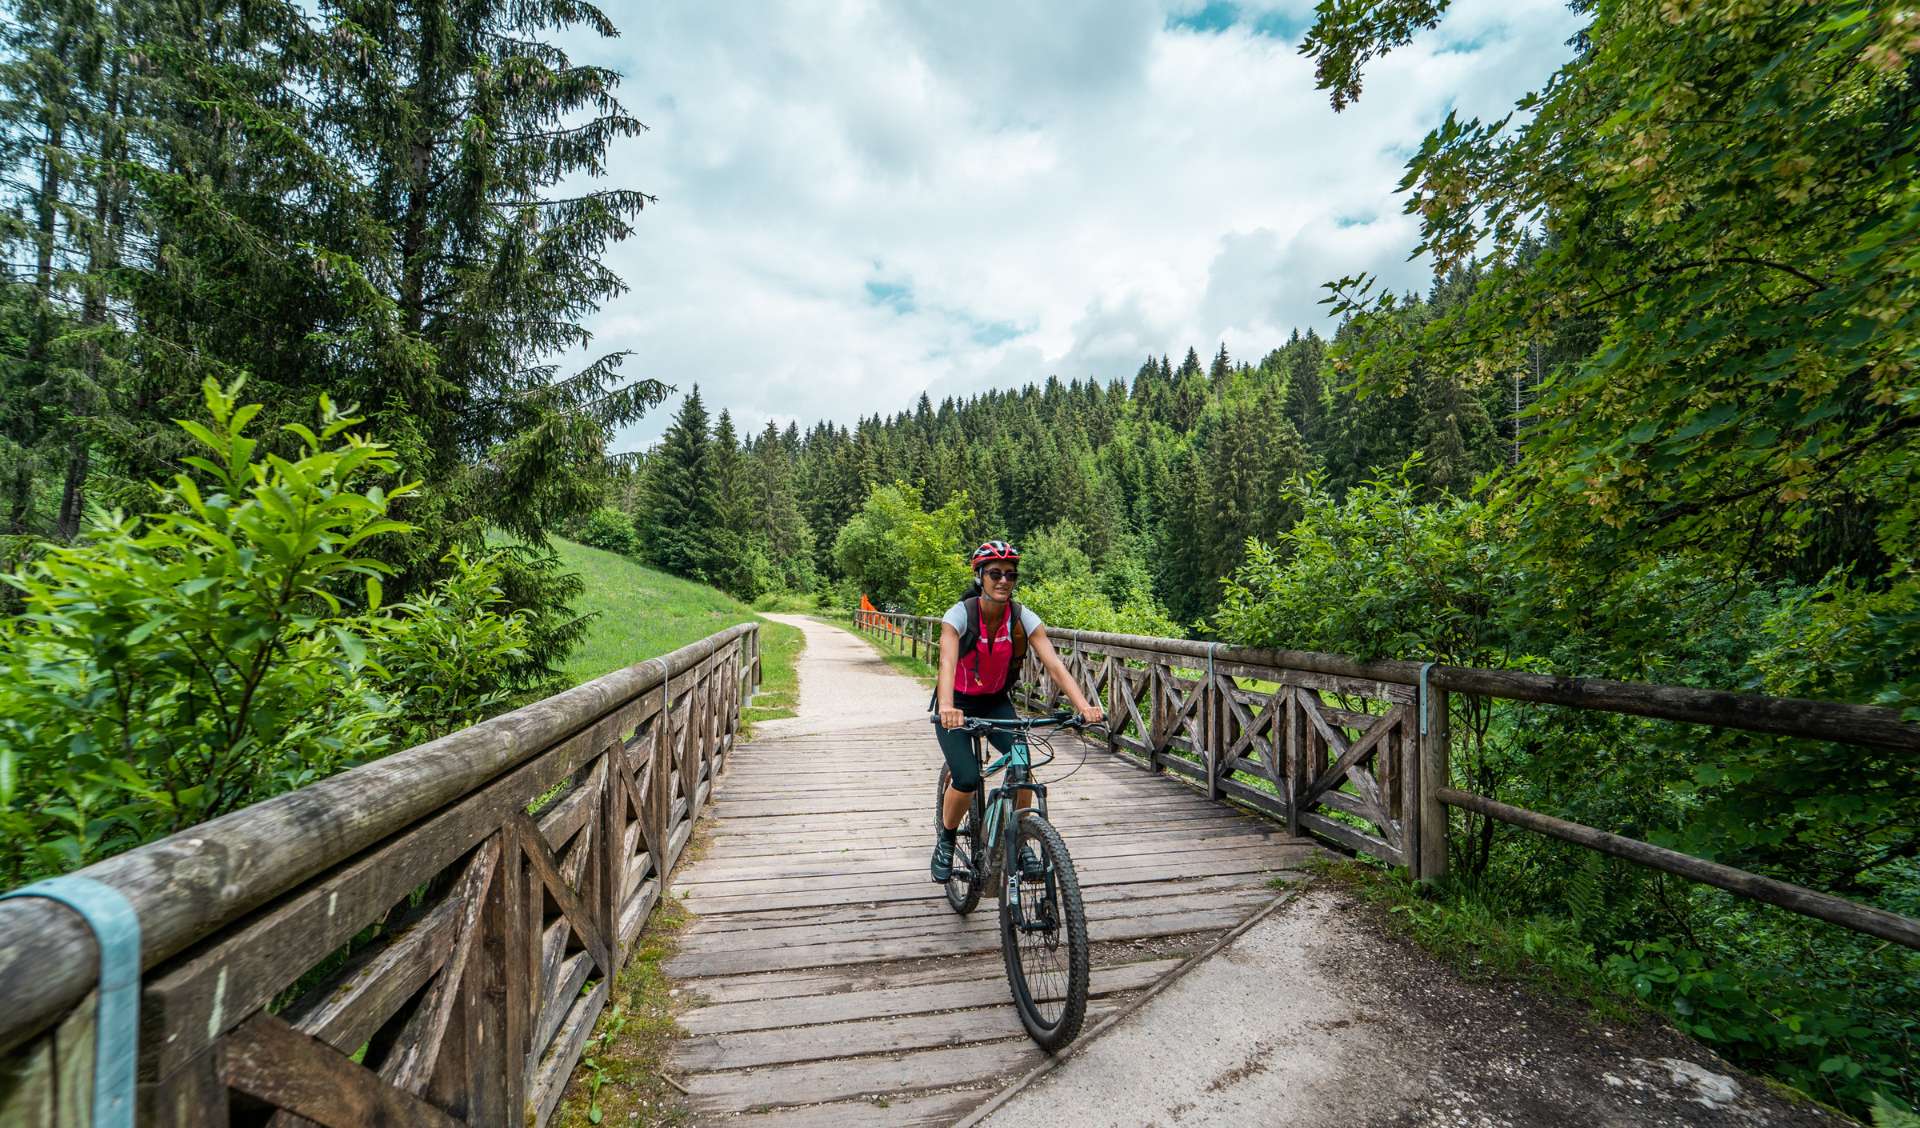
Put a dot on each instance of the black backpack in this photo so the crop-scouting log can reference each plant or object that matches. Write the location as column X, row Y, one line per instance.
column 970, row 639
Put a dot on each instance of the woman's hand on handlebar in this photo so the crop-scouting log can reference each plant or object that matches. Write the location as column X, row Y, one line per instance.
column 951, row 718
column 1093, row 714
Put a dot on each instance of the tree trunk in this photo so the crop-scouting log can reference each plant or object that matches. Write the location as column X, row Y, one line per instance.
column 20, row 495
column 72, row 497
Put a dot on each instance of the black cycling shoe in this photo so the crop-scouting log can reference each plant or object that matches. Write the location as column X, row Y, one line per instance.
column 942, row 860
column 1031, row 866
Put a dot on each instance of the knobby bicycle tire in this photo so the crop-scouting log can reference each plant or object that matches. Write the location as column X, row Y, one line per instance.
column 962, row 893
column 1047, row 969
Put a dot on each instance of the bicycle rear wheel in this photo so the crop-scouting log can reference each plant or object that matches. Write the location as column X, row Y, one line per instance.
column 1046, row 948
column 963, row 888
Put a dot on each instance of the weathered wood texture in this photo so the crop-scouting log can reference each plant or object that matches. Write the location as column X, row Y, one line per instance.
column 827, row 981
column 1298, row 742
column 1335, row 747
column 425, row 939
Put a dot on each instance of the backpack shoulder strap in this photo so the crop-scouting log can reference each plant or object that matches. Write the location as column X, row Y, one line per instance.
column 970, row 637
column 1018, row 631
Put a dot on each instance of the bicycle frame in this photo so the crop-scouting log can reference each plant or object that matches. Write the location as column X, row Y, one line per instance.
column 999, row 833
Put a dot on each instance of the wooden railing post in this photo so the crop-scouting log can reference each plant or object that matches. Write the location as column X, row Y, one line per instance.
column 694, row 748
column 1213, row 731
column 1157, row 734
column 1296, row 727
column 610, row 852
column 1428, row 834
column 659, row 797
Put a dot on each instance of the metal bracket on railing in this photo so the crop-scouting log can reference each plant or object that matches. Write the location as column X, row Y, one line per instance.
column 1423, row 696
column 666, row 690
column 116, row 1026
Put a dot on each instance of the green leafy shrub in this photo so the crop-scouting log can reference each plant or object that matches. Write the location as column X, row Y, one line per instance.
column 1079, row 602
column 1828, row 1013
column 226, row 646
column 449, row 657
column 798, row 602
column 1382, row 573
column 541, row 593
column 902, row 557
column 1379, row 573
column 1057, row 551
column 611, row 529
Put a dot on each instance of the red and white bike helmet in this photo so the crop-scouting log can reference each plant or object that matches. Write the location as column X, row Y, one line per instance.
column 991, row 551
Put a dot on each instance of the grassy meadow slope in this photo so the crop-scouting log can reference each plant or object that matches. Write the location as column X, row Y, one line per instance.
column 642, row 613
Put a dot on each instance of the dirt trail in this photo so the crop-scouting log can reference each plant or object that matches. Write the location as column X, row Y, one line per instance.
column 844, row 683
column 1317, row 1015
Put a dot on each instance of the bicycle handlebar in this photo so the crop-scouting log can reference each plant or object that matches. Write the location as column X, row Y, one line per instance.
column 1064, row 719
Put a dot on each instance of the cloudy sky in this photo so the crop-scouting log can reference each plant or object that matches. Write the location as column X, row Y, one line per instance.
column 863, row 201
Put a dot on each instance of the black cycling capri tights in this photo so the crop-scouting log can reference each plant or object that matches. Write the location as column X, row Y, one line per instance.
column 957, row 744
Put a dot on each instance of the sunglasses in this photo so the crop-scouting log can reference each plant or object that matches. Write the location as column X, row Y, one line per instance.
column 996, row 575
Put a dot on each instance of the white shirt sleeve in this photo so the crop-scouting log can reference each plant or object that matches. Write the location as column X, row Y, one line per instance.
column 956, row 617
column 1029, row 621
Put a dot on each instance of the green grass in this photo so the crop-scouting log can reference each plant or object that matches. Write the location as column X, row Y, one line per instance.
column 622, row 1076
column 779, row 693
column 796, row 602
column 642, row 613
column 898, row 654
column 1482, row 940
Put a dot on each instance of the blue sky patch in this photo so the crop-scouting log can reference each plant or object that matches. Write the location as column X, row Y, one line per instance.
column 1278, row 25
column 991, row 333
column 1216, row 16
column 1211, row 17
column 897, row 296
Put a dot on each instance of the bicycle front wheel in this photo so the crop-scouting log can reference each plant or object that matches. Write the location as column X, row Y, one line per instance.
column 1043, row 934
column 963, row 888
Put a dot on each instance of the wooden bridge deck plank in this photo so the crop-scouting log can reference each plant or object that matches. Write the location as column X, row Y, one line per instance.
column 891, row 1035
column 853, row 874
column 949, row 941
column 772, row 1014
column 1249, row 862
column 834, row 981
column 815, row 1081
column 881, row 1112
column 743, row 847
column 827, row 983
column 855, row 932
column 930, row 910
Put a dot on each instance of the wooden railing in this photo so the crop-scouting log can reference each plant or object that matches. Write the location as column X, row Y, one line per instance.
column 1359, row 753
column 426, row 939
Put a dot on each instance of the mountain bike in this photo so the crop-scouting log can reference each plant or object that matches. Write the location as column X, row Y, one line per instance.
column 1043, row 924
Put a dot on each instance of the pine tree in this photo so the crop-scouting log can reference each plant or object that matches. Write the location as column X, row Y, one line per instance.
column 1455, row 436
column 779, row 525
column 680, row 520
column 467, row 117
column 1306, row 389
column 731, row 503
column 1222, row 369
column 1189, row 398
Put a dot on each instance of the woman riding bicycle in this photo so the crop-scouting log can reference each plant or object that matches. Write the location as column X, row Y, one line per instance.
column 978, row 682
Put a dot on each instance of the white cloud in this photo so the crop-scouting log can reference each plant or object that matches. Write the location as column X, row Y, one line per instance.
column 1060, row 188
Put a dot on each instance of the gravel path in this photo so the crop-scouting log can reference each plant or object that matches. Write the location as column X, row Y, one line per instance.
column 1318, row 1015
column 844, row 683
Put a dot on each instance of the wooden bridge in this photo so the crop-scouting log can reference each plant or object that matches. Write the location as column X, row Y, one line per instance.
column 832, row 973
column 429, row 938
